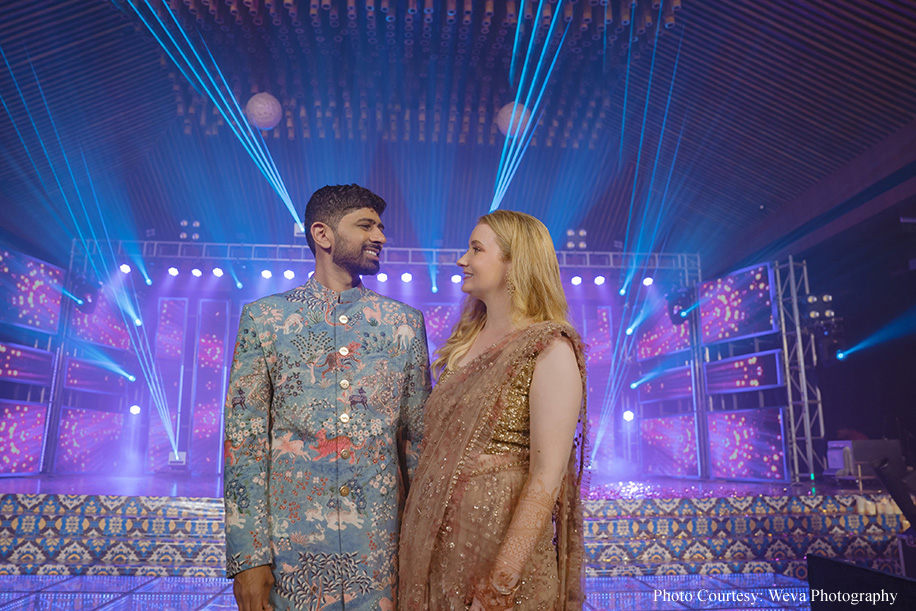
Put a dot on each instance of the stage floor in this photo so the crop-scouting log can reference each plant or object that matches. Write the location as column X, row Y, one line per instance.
column 211, row 486
column 661, row 593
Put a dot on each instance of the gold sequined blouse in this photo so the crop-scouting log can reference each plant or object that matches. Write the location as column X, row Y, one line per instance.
column 512, row 433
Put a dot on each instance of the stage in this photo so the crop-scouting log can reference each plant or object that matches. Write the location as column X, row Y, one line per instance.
column 93, row 542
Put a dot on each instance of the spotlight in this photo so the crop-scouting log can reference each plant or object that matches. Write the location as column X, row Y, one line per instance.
column 630, row 330
column 435, row 289
column 576, row 280
column 622, row 291
column 266, row 274
column 196, row 272
column 135, row 410
column 647, row 281
column 570, row 245
column 149, row 282
column 289, row 274
column 840, row 355
column 382, row 277
column 406, row 277
column 582, row 245
column 828, row 313
column 827, row 298
column 599, row 280
column 218, row 272
column 131, row 378
column 125, row 268
column 814, row 314
column 138, row 322
column 680, row 302
column 634, row 385
column 811, row 299
column 238, row 284
column 456, row 278
column 173, row 271
column 628, row 416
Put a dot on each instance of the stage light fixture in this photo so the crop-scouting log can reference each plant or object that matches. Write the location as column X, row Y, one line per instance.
column 131, row 378
column 828, row 313
column 266, row 274
column 840, row 355
column 599, row 280
column 289, row 274
column 196, row 272
column 218, row 272
column 138, row 322
column 630, row 330
column 622, row 291
column 382, row 277
column 238, row 284
column 125, row 268
column 456, row 278
column 135, row 410
column 827, row 298
column 680, row 302
column 634, row 385
column 647, row 281
column 576, row 280
column 406, row 277
column 149, row 282
column 173, row 271
column 628, row 416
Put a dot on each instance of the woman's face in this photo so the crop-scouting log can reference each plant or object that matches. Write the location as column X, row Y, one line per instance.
column 483, row 265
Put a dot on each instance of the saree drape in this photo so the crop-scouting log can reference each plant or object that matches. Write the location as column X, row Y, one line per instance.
column 461, row 499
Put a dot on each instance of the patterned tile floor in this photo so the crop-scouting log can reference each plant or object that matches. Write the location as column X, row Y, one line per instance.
column 763, row 592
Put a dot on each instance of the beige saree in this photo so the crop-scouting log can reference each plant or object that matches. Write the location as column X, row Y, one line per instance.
column 462, row 498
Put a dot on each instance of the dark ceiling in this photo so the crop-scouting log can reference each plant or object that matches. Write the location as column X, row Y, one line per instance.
column 709, row 126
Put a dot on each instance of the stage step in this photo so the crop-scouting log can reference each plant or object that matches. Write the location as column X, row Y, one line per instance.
column 110, row 535
column 682, row 536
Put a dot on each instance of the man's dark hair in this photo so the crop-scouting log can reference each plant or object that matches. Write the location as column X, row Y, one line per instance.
column 330, row 204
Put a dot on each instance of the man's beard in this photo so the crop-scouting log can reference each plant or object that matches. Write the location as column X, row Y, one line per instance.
column 353, row 259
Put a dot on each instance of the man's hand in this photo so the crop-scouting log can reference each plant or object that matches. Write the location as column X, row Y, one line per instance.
column 252, row 587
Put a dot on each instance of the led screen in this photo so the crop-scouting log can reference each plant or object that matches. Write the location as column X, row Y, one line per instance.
column 30, row 292
column 22, row 433
column 747, row 444
column 668, row 385
column 744, row 373
column 88, row 441
column 657, row 335
column 737, row 305
column 103, row 325
column 209, row 391
column 90, row 376
column 669, row 445
column 25, row 365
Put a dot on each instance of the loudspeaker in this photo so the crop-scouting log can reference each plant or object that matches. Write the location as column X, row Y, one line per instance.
column 847, row 458
column 840, row 586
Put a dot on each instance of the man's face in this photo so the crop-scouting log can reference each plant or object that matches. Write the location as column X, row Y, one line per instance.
column 358, row 241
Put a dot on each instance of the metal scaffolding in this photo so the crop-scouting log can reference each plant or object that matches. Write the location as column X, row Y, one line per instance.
column 805, row 421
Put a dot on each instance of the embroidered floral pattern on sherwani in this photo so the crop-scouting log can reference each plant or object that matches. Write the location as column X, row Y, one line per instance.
column 324, row 405
column 470, row 481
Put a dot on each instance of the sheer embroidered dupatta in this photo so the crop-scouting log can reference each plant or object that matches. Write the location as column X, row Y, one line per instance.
column 461, row 414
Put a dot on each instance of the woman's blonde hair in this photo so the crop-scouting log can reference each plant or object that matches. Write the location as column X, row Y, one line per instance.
column 534, row 271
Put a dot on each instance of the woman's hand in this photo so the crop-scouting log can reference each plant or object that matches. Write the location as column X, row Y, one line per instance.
column 487, row 598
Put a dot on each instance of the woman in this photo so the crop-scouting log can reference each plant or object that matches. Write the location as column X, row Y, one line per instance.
column 504, row 436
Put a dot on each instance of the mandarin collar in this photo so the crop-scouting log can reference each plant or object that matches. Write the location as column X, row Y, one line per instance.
column 326, row 295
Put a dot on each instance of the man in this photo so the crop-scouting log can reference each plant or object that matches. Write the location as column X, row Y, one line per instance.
column 323, row 416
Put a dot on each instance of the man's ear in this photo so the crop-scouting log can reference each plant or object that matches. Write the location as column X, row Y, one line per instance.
column 322, row 235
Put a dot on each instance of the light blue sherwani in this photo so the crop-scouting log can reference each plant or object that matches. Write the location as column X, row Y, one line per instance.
column 323, row 418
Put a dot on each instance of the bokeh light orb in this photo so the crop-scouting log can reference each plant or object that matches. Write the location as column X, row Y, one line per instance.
column 263, row 111
column 519, row 122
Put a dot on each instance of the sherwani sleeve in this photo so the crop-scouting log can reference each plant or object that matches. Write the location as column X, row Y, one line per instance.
column 413, row 400
column 247, row 452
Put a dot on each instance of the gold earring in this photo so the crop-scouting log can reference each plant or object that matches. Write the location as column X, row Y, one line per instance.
column 510, row 286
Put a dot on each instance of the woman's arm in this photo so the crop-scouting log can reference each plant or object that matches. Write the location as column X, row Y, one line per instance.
column 555, row 401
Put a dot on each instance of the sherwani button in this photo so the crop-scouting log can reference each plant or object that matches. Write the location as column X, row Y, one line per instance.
column 344, row 319
column 344, row 351
column 345, row 418
column 344, row 490
column 345, row 383
column 345, row 454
